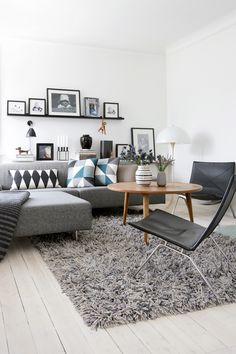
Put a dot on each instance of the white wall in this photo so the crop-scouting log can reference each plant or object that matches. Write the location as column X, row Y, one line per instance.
column 201, row 98
column 135, row 80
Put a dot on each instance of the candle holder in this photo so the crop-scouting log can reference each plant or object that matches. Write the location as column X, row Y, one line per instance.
column 62, row 153
column 62, row 148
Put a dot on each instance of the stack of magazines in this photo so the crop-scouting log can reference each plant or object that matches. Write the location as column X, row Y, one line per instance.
column 24, row 157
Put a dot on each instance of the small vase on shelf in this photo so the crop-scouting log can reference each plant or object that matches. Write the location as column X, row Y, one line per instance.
column 86, row 141
column 161, row 179
column 143, row 175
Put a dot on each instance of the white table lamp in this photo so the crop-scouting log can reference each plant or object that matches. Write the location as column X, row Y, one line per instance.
column 173, row 135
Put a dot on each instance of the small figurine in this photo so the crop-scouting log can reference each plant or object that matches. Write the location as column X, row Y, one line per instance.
column 21, row 151
column 102, row 128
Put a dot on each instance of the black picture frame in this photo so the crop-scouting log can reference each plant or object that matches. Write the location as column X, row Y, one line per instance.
column 37, row 107
column 44, row 151
column 16, row 108
column 63, row 102
column 119, row 148
column 143, row 139
column 111, row 110
column 91, row 107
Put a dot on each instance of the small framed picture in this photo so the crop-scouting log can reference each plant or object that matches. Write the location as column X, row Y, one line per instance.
column 143, row 139
column 121, row 148
column 44, row 151
column 16, row 108
column 92, row 108
column 63, row 102
column 37, row 106
column 111, row 110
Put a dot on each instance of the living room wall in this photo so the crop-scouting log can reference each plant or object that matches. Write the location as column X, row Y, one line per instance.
column 201, row 96
column 135, row 80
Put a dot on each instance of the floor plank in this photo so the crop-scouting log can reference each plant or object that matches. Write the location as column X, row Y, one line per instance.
column 45, row 337
column 18, row 333
column 3, row 338
column 53, row 300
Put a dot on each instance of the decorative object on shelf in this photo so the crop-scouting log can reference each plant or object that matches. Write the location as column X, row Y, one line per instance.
column 16, row 108
column 120, row 148
column 92, row 107
column 106, row 147
column 37, row 106
column 62, row 148
column 102, row 128
column 162, row 163
column 30, row 134
column 143, row 175
column 111, row 110
column 23, row 155
column 86, row 141
column 87, row 154
column 63, row 102
column 143, row 139
column 44, row 151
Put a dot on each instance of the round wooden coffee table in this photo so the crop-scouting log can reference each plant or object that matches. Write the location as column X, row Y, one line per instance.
column 171, row 188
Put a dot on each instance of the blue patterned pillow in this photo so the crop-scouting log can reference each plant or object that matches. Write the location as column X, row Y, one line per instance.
column 106, row 171
column 81, row 173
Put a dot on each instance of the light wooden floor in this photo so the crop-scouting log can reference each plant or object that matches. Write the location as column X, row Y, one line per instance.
column 35, row 317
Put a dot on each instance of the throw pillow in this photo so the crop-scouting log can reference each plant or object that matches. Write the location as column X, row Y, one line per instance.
column 81, row 173
column 106, row 171
column 34, row 179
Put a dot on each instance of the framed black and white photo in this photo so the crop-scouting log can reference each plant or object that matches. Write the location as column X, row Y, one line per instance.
column 120, row 147
column 91, row 107
column 44, row 151
column 37, row 106
column 16, row 108
column 143, row 139
column 111, row 110
column 63, row 102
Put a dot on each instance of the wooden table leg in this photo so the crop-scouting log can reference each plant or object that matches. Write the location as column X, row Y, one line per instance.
column 126, row 204
column 189, row 206
column 145, row 213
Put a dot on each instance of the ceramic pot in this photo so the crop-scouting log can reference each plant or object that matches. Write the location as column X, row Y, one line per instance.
column 143, row 175
column 161, row 179
column 86, row 141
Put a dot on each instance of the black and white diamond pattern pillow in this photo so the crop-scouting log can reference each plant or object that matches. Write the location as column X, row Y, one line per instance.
column 34, row 179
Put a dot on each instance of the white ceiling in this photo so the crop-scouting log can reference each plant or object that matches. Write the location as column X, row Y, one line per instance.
column 143, row 25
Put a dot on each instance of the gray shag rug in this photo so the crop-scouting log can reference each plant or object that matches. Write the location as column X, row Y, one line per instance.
column 96, row 273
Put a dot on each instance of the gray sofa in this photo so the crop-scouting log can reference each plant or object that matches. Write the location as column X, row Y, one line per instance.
column 50, row 210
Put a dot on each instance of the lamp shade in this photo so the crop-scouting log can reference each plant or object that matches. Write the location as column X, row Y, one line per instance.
column 173, row 135
column 31, row 133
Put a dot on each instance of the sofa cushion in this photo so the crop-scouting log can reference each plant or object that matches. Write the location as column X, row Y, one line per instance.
column 81, row 173
column 33, row 179
column 106, row 171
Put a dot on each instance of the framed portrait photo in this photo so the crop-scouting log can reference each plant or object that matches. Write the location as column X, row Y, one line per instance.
column 15, row 108
column 120, row 148
column 63, row 102
column 91, row 107
column 37, row 106
column 44, row 151
column 111, row 110
column 143, row 139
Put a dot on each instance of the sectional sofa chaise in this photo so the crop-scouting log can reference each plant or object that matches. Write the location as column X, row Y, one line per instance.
column 52, row 210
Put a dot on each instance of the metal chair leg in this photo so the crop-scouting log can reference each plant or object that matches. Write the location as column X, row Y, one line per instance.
column 218, row 247
column 185, row 255
column 149, row 257
column 179, row 196
column 76, row 235
column 203, row 277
